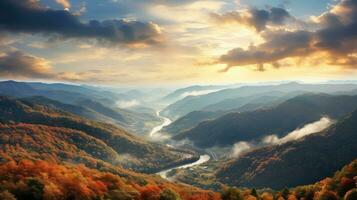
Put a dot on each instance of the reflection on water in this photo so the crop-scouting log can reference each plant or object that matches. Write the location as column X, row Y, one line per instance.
column 156, row 129
column 203, row 159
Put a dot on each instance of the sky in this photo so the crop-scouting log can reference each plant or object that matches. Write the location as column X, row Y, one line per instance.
column 173, row 42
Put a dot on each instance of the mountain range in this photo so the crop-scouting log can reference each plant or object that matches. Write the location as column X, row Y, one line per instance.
column 98, row 104
column 116, row 146
column 299, row 162
column 240, row 95
column 279, row 120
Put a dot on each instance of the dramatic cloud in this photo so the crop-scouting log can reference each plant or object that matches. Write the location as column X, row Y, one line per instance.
column 278, row 45
column 20, row 65
column 335, row 38
column 254, row 18
column 308, row 129
column 27, row 16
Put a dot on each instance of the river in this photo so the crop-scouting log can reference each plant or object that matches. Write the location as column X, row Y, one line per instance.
column 166, row 121
column 158, row 128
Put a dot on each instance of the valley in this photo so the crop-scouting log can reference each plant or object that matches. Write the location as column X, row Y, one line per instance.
column 289, row 138
column 178, row 100
column 156, row 130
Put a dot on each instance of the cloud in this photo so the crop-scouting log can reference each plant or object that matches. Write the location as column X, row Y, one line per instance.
column 254, row 18
column 335, row 37
column 64, row 3
column 277, row 46
column 308, row 129
column 27, row 16
column 128, row 104
column 239, row 148
column 197, row 93
column 17, row 64
column 315, row 127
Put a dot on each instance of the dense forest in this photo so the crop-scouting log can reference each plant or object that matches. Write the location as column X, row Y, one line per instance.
column 37, row 180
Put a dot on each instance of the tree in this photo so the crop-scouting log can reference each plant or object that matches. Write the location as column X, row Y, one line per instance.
column 345, row 185
column 168, row 194
column 35, row 189
column 232, row 194
column 6, row 195
column 327, row 195
column 255, row 193
column 285, row 193
column 351, row 195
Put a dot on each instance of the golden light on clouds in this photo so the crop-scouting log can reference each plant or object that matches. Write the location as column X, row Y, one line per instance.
column 205, row 41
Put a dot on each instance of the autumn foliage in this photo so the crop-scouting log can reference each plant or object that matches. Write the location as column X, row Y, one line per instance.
column 342, row 186
column 27, row 180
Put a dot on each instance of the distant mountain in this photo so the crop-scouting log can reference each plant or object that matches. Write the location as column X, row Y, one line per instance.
column 74, row 109
column 124, row 149
column 195, row 103
column 236, row 103
column 214, row 111
column 62, row 92
column 84, row 101
column 191, row 120
column 279, row 120
column 298, row 162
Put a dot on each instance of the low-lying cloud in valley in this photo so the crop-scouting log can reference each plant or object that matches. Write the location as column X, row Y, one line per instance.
column 197, row 93
column 128, row 104
column 239, row 148
column 308, row 129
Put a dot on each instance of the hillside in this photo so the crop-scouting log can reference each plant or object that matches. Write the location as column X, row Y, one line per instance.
column 214, row 111
column 194, row 103
column 299, row 162
column 25, row 180
column 279, row 120
column 133, row 152
column 86, row 102
column 191, row 120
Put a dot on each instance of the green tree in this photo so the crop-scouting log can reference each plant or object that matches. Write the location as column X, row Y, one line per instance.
column 255, row 193
column 35, row 189
column 285, row 193
column 168, row 194
column 232, row 194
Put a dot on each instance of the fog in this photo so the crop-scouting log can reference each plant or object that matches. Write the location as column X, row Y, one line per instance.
column 308, row 129
column 197, row 93
column 128, row 104
column 239, row 148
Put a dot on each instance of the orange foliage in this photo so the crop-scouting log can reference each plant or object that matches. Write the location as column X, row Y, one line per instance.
column 81, row 183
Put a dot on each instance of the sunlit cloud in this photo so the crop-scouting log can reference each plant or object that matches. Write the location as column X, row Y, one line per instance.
column 336, row 38
column 29, row 17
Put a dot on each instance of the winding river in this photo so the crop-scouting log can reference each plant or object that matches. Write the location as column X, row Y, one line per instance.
column 166, row 121
column 158, row 128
